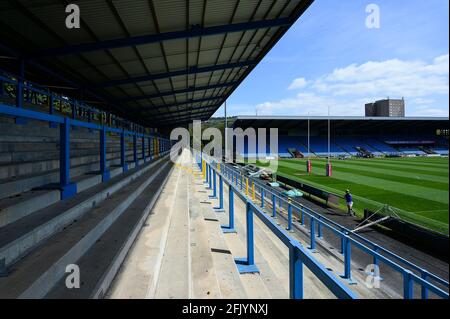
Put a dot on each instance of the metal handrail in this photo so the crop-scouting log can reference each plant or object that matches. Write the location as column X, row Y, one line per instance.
column 424, row 272
column 157, row 146
column 298, row 255
column 347, row 240
column 33, row 87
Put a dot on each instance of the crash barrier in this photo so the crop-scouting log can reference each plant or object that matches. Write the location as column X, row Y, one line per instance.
column 243, row 185
column 299, row 256
column 157, row 146
column 21, row 91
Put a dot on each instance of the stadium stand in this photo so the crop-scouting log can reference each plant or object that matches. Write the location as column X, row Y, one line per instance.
column 290, row 142
column 378, row 146
column 348, row 143
column 352, row 133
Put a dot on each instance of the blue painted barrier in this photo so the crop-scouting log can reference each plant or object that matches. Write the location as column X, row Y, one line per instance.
column 299, row 256
column 349, row 240
column 67, row 188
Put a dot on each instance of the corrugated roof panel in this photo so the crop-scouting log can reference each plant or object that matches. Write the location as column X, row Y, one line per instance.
column 132, row 91
column 118, row 92
column 113, row 70
column 126, row 87
column 175, row 47
column 99, row 18
column 133, row 68
column 290, row 7
column 124, row 55
column 155, row 65
column 15, row 22
column 74, row 61
column 164, row 86
column 91, row 74
column 147, row 87
column 136, row 15
column 98, row 58
column 245, row 10
column 149, row 50
column 196, row 9
column 114, row 20
column 208, row 57
column 268, row 10
column 279, row 9
column 212, row 42
column 218, row 12
column 171, row 14
column 54, row 16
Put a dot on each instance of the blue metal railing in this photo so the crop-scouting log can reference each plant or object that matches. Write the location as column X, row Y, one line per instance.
column 298, row 255
column 77, row 109
column 374, row 248
column 159, row 147
column 426, row 280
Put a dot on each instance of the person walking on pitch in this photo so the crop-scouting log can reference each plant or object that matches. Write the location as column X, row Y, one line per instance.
column 349, row 201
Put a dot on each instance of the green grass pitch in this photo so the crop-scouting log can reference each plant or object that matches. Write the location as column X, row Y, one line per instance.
column 416, row 187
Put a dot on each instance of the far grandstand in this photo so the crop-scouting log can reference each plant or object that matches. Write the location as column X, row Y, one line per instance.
column 354, row 136
column 401, row 162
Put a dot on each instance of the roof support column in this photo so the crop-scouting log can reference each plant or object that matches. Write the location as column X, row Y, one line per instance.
column 20, row 91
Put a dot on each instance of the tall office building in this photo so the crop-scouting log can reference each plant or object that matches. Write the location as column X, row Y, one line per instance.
column 386, row 108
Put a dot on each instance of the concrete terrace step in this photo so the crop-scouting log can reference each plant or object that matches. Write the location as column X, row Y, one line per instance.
column 205, row 283
column 37, row 274
column 44, row 155
column 138, row 275
column 254, row 286
column 18, row 238
column 180, row 253
column 13, row 186
column 174, row 279
column 41, row 129
column 18, row 169
column 230, row 284
column 102, row 261
column 23, row 204
column 37, row 137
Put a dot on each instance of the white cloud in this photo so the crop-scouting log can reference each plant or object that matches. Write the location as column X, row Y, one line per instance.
column 388, row 78
column 347, row 89
column 312, row 104
column 298, row 84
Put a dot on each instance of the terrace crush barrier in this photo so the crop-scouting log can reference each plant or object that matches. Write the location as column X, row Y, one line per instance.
column 157, row 145
column 41, row 96
column 299, row 256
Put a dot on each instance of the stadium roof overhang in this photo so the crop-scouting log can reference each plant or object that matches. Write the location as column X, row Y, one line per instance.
column 160, row 63
column 340, row 122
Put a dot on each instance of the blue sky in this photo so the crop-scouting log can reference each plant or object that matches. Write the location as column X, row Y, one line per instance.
column 330, row 58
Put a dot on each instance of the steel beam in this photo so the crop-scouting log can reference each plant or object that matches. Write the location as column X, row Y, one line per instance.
column 191, row 70
column 194, row 31
column 192, row 101
column 185, row 119
column 188, row 90
column 174, row 116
